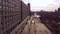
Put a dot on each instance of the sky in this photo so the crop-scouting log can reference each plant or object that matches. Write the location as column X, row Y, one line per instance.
column 47, row 5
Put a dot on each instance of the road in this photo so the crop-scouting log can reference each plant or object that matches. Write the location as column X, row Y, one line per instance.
column 35, row 27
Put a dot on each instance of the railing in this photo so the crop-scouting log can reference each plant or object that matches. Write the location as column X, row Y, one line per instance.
column 52, row 26
column 19, row 29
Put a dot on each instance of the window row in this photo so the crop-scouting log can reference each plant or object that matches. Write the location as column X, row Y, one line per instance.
column 7, row 4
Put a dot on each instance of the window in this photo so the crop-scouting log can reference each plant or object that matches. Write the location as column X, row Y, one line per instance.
column 2, row 28
column 6, row 27
column 5, row 22
column 0, row 0
column 3, row 2
column 2, row 23
column 1, row 12
column 16, row 32
column 0, row 18
column 0, row 7
column 6, row 32
column 6, row 3
column 5, row 17
column 9, row 4
column 4, row 8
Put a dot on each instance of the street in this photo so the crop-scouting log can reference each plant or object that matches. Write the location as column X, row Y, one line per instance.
column 36, row 27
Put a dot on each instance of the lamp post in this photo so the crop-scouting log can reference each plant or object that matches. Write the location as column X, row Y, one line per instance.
column 29, row 7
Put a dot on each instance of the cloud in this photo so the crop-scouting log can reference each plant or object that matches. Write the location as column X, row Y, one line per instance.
column 48, row 5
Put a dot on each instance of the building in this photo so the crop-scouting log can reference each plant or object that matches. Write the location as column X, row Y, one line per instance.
column 10, row 15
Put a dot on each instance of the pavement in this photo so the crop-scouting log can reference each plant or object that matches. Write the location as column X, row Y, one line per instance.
column 35, row 26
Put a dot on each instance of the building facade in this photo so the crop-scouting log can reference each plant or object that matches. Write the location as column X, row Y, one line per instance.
column 11, row 15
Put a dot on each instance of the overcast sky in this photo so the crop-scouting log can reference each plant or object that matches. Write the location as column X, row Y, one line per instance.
column 47, row 5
